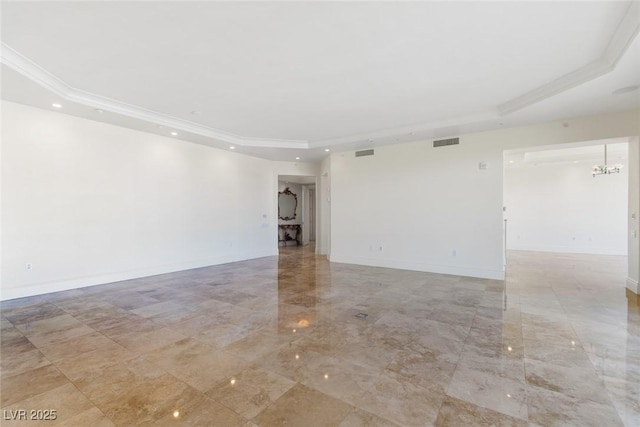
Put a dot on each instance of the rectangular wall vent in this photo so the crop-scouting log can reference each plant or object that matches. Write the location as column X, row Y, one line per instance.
column 445, row 142
column 364, row 153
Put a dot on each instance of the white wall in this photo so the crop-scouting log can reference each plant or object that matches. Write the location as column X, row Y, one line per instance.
column 1, row 198
column 633, row 279
column 420, row 204
column 411, row 206
column 86, row 203
column 295, row 168
column 307, row 223
column 323, row 208
column 561, row 207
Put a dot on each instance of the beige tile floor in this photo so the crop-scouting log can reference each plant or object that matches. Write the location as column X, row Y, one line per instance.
column 274, row 342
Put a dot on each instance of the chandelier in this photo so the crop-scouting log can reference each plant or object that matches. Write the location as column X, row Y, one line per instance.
column 604, row 169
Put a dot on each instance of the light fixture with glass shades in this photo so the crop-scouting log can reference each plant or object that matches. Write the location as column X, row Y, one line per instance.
column 605, row 169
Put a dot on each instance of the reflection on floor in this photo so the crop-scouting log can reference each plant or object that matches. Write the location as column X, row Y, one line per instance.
column 302, row 342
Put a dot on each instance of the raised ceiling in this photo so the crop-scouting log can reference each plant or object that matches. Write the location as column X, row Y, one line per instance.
column 289, row 79
column 588, row 152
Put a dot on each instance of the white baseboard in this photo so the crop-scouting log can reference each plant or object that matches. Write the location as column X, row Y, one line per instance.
column 568, row 250
column 8, row 292
column 418, row 266
column 633, row 286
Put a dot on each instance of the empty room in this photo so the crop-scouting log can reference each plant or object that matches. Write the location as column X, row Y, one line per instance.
column 221, row 213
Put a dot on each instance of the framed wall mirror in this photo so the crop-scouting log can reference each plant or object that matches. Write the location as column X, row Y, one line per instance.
column 287, row 205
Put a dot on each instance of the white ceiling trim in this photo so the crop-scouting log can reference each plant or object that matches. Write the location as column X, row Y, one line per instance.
column 39, row 75
column 624, row 35
column 421, row 128
column 627, row 30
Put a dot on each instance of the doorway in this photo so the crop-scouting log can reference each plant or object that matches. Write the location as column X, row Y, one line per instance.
column 298, row 227
column 554, row 203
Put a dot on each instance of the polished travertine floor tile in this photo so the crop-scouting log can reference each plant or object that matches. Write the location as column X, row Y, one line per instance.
column 66, row 397
column 250, row 391
column 459, row 413
column 303, row 406
column 298, row 341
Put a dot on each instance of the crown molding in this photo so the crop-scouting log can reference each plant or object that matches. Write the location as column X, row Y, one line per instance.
column 409, row 130
column 29, row 69
column 26, row 67
column 622, row 38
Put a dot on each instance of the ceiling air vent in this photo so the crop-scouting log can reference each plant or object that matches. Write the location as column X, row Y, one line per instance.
column 362, row 153
column 445, row 142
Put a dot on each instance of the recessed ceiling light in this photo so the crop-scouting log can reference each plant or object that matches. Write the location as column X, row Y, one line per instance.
column 232, row 148
column 624, row 90
column 55, row 105
column 196, row 112
column 174, row 133
column 511, row 161
column 98, row 110
column 297, row 158
column 326, row 149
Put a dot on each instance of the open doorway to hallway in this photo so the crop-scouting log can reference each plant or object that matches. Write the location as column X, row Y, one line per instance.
column 297, row 213
column 554, row 203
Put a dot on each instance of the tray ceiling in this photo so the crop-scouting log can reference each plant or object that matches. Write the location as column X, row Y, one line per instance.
column 283, row 80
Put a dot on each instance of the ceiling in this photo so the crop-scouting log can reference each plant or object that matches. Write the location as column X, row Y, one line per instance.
column 287, row 80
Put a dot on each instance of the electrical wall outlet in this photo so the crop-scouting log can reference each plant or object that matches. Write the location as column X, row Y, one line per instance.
column 28, row 266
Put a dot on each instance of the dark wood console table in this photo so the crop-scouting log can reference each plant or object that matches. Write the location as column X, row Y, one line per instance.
column 289, row 233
